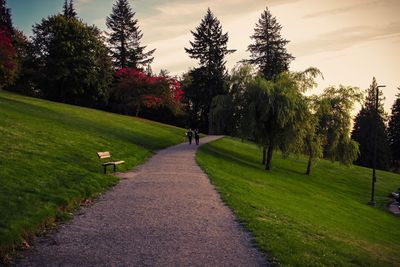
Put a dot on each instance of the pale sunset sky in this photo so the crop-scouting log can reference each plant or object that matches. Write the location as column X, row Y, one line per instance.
column 350, row 41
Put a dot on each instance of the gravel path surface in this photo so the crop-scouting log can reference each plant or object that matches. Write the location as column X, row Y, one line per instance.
column 165, row 213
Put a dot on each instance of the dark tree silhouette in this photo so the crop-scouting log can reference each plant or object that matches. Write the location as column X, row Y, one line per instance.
column 268, row 52
column 8, row 52
column 364, row 129
column 8, row 60
column 195, row 98
column 209, row 48
column 69, row 10
column 5, row 18
column 73, row 62
column 125, row 38
column 394, row 132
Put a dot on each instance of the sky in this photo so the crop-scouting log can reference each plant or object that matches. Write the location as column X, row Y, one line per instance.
column 350, row 41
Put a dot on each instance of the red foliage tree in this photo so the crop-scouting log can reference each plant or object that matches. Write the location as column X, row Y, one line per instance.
column 8, row 59
column 134, row 90
column 166, row 92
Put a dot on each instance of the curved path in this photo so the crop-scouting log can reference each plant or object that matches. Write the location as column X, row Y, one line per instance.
column 165, row 213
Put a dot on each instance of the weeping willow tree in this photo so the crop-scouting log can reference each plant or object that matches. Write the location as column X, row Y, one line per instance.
column 237, row 83
column 276, row 112
column 335, row 106
column 327, row 129
column 255, row 113
column 220, row 115
column 313, row 142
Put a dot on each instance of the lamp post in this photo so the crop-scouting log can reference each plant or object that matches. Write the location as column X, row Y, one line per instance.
column 372, row 202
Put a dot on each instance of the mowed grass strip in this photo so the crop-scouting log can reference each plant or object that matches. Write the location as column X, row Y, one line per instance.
column 48, row 161
column 299, row 220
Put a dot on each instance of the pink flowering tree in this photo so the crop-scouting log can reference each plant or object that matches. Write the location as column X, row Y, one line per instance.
column 166, row 92
column 8, row 59
column 135, row 90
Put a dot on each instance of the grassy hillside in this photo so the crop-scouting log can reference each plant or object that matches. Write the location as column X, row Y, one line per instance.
column 48, row 160
column 321, row 220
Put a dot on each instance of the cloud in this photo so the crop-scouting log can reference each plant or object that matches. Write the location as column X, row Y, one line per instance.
column 179, row 16
column 350, row 8
column 81, row 3
column 168, row 27
column 346, row 37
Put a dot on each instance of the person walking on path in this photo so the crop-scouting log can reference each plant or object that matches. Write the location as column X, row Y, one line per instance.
column 190, row 135
column 197, row 136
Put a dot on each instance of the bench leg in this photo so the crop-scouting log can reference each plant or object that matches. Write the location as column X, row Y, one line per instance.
column 115, row 168
column 105, row 169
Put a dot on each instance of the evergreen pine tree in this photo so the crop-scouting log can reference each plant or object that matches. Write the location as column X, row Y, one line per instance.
column 5, row 18
column 364, row 130
column 69, row 10
column 125, row 38
column 209, row 48
column 394, row 132
column 210, row 44
column 65, row 8
column 268, row 52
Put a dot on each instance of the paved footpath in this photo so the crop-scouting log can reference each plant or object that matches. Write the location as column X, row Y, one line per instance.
column 165, row 213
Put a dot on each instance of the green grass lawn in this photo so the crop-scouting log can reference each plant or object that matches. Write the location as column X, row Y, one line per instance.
column 48, row 161
column 320, row 220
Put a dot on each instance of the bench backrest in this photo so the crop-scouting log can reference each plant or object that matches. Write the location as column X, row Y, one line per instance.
column 104, row 155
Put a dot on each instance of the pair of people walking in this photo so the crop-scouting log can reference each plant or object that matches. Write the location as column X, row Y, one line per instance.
column 190, row 133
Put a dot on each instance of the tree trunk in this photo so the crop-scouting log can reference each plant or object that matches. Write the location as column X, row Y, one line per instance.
column 264, row 154
column 123, row 54
column 269, row 158
column 309, row 166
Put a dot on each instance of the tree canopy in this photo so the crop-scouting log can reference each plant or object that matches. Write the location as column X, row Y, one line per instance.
column 210, row 46
column 69, row 10
column 5, row 18
column 394, row 131
column 268, row 52
column 8, row 59
column 134, row 90
column 276, row 111
column 327, row 129
column 74, row 66
column 334, row 112
column 125, row 38
column 365, row 127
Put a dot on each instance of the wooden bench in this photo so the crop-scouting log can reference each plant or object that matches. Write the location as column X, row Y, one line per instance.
column 107, row 156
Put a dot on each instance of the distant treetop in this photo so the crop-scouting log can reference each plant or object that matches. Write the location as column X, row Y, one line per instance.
column 5, row 17
column 69, row 10
column 125, row 38
column 268, row 52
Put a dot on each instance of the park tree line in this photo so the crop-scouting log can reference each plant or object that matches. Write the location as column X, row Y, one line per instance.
column 70, row 61
column 261, row 100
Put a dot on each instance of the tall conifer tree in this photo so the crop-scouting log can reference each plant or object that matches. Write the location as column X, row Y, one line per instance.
column 5, row 18
column 394, row 132
column 364, row 130
column 268, row 52
column 125, row 38
column 209, row 48
column 69, row 10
